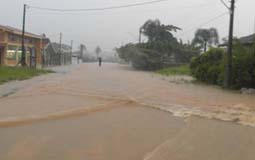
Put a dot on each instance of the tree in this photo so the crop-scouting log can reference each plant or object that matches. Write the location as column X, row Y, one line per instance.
column 98, row 50
column 160, row 37
column 161, row 48
column 155, row 31
column 205, row 37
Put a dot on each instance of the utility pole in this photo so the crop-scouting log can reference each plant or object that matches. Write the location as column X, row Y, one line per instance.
column 83, row 48
column 23, row 50
column 60, row 47
column 254, row 37
column 71, row 54
column 228, row 74
column 140, row 35
column 78, row 56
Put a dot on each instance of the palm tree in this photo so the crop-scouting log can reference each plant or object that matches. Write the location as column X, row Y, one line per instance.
column 205, row 37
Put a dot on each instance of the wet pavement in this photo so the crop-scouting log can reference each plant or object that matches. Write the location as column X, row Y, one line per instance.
column 115, row 112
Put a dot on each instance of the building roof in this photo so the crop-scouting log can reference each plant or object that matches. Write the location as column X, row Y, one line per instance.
column 19, row 32
column 246, row 40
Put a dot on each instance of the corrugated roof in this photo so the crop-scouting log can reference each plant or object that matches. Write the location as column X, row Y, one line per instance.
column 18, row 31
column 243, row 40
column 247, row 39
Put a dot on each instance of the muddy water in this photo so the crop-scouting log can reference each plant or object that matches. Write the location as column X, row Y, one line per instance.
column 129, row 132
column 91, row 86
column 126, row 133
column 208, row 139
column 182, row 99
column 116, row 113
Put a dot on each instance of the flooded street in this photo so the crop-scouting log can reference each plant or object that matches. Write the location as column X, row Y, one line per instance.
column 116, row 113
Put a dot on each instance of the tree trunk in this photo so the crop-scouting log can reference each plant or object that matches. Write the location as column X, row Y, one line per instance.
column 205, row 47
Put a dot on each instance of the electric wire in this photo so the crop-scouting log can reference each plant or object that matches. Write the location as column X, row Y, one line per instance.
column 49, row 12
column 205, row 23
column 222, row 1
column 98, row 9
column 126, row 6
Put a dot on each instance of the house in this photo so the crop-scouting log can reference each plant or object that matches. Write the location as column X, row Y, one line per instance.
column 246, row 41
column 10, row 47
column 55, row 54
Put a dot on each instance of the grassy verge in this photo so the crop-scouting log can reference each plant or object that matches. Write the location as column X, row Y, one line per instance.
column 19, row 73
column 179, row 70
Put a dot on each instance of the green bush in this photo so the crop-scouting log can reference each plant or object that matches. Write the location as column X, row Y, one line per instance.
column 208, row 66
column 146, row 59
column 243, row 67
column 141, row 57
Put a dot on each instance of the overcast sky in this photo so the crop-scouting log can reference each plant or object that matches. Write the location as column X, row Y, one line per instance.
column 112, row 28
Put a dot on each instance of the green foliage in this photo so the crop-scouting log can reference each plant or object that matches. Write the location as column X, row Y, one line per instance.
column 243, row 67
column 178, row 70
column 157, row 32
column 159, row 50
column 141, row 58
column 19, row 73
column 126, row 52
column 185, row 54
column 208, row 66
column 204, row 37
column 160, row 37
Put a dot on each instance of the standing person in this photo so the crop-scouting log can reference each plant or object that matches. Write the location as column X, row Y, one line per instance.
column 100, row 61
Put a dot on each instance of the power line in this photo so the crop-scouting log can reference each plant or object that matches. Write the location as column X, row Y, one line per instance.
column 51, row 12
column 98, row 9
column 207, row 22
column 200, row 19
column 222, row 1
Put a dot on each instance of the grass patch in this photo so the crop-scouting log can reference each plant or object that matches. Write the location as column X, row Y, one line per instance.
column 179, row 70
column 19, row 73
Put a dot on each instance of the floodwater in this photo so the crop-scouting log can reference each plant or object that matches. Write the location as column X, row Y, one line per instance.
column 114, row 112
column 125, row 133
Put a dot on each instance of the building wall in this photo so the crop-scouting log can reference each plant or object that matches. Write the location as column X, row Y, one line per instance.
column 2, row 36
column 1, row 55
column 12, row 49
column 2, row 46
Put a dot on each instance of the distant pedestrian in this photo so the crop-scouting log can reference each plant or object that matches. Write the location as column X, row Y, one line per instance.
column 100, row 61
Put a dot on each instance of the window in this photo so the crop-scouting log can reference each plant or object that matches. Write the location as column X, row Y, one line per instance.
column 11, row 52
column 13, row 38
